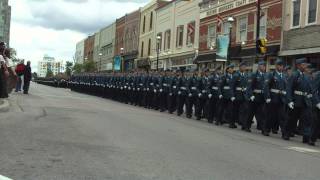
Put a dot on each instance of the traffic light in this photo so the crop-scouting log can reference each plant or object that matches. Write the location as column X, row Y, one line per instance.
column 262, row 45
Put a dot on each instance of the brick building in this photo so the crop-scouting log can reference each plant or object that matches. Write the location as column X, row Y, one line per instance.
column 88, row 48
column 301, row 27
column 119, row 39
column 243, row 30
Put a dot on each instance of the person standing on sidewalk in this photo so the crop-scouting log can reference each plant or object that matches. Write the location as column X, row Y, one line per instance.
column 20, row 71
column 27, row 78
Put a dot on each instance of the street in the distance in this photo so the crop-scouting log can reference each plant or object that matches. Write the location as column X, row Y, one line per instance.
column 57, row 134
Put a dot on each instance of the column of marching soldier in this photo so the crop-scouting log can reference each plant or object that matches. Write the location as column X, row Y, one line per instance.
column 281, row 99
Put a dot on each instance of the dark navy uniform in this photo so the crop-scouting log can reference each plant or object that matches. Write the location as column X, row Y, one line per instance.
column 182, row 93
column 316, row 109
column 192, row 91
column 172, row 95
column 214, row 95
column 202, row 96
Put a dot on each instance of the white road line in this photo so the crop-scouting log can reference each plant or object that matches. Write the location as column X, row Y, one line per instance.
column 303, row 149
column 4, row 178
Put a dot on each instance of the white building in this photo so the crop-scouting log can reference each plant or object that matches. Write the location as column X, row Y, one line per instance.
column 106, row 47
column 177, row 25
column 79, row 55
column 49, row 63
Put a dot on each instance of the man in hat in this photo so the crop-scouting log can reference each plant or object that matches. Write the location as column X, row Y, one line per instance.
column 200, row 110
column 275, row 97
column 173, row 91
column 227, row 89
column 192, row 93
column 299, row 95
column 256, row 98
column 240, row 104
column 214, row 95
column 182, row 92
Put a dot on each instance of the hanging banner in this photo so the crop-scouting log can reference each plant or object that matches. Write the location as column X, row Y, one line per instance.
column 222, row 47
column 117, row 63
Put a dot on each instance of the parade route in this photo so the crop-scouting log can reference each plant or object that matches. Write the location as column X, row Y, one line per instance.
column 57, row 134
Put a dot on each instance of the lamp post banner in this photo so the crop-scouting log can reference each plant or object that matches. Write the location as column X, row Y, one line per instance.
column 117, row 63
column 222, row 47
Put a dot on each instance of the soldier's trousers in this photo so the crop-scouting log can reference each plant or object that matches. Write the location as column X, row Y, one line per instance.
column 240, row 111
column 257, row 110
column 190, row 102
column 180, row 103
column 200, row 107
column 275, row 117
column 163, row 101
column 302, row 114
column 172, row 103
column 212, row 105
column 315, row 130
column 225, row 111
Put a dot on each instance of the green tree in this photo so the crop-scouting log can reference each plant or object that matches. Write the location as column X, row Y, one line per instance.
column 49, row 73
column 77, row 68
column 69, row 68
column 89, row 66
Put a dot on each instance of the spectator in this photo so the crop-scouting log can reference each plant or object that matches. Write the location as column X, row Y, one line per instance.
column 12, row 79
column 20, row 71
column 27, row 78
column 3, row 72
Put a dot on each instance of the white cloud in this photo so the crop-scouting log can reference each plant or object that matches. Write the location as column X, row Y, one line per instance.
column 54, row 27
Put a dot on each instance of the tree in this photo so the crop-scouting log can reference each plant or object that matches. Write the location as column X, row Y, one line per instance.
column 89, row 66
column 77, row 68
column 69, row 68
column 49, row 73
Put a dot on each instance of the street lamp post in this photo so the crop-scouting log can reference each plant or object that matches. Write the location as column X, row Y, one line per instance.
column 230, row 20
column 122, row 60
column 158, row 50
column 100, row 54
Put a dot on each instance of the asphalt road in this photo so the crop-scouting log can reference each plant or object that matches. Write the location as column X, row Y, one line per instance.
column 56, row 134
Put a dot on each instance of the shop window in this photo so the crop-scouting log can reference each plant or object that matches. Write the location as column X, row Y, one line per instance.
column 211, row 38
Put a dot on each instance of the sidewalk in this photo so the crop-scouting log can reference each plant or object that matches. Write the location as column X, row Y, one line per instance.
column 4, row 105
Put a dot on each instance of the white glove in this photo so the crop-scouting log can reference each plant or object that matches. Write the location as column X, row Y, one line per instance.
column 170, row 94
column 179, row 92
column 268, row 101
column 154, row 91
column 121, row 88
column 233, row 98
column 210, row 96
column 291, row 105
column 220, row 96
column 252, row 98
column 318, row 106
column 147, row 89
column 138, row 89
column 199, row 94
column 190, row 94
column 161, row 90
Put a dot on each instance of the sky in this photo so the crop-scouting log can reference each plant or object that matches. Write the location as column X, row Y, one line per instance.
column 53, row 27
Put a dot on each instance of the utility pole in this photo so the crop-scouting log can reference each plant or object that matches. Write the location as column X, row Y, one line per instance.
column 258, row 27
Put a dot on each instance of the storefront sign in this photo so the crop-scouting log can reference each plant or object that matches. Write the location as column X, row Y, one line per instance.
column 222, row 7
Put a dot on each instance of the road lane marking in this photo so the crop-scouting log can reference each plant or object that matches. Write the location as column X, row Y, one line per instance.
column 4, row 178
column 303, row 149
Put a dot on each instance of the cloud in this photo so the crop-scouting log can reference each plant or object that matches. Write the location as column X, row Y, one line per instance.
column 54, row 27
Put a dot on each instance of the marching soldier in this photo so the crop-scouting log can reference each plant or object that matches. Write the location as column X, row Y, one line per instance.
column 255, row 93
column 316, row 109
column 275, row 97
column 192, row 93
column 182, row 92
column 200, row 109
column 214, row 95
column 227, row 89
column 163, row 91
column 299, row 94
column 173, row 92
column 240, row 104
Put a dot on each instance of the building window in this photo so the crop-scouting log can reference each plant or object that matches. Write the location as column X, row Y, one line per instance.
column 144, row 24
column 167, row 38
column 296, row 13
column 211, row 40
column 142, row 47
column 263, row 26
column 312, row 11
column 242, row 30
column 159, row 41
column 151, row 21
column 179, row 36
column 191, row 33
column 226, row 28
column 149, row 47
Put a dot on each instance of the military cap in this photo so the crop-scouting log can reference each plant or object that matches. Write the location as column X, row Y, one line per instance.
column 261, row 63
column 243, row 63
column 287, row 68
column 301, row 60
column 230, row 66
column 279, row 62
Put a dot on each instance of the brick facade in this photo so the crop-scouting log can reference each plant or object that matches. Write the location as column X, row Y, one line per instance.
column 88, row 48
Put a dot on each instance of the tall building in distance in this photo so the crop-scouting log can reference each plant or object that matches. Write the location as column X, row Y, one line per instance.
column 50, row 64
column 5, row 18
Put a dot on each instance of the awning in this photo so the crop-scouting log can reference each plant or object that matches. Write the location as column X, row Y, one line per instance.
column 300, row 51
column 143, row 62
column 205, row 58
column 238, row 53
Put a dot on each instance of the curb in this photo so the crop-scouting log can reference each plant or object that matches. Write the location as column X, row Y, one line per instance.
column 4, row 105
